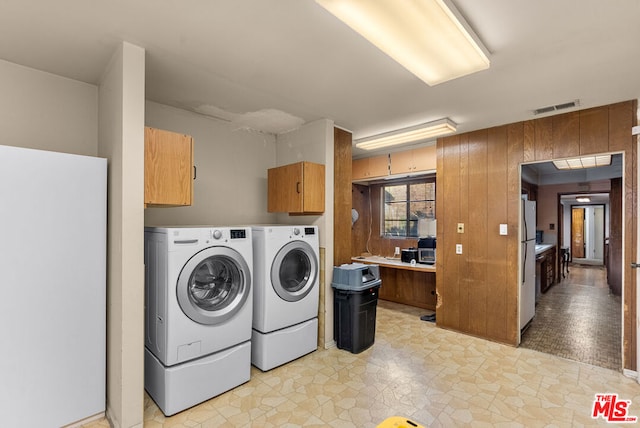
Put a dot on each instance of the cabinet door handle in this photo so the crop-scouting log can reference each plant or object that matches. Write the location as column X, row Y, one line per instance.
column 195, row 172
column 297, row 187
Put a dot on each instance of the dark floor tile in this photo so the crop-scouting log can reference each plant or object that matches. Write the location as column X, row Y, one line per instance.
column 579, row 319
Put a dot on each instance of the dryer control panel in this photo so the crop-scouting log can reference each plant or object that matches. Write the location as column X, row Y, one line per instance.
column 238, row 233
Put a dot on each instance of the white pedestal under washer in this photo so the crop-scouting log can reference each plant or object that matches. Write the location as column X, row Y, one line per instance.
column 286, row 293
column 198, row 311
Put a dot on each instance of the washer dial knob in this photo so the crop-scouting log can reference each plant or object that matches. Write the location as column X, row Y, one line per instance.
column 296, row 231
column 217, row 234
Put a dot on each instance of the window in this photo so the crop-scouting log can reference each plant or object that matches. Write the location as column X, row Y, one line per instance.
column 408, row 207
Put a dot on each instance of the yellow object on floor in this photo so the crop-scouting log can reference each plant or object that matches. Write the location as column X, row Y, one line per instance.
column 399, row 422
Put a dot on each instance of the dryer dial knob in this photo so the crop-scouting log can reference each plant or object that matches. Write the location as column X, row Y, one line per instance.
column 217, row 234
column 296, row 231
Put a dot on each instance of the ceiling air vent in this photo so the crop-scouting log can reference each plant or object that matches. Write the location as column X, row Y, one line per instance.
column 556, row 107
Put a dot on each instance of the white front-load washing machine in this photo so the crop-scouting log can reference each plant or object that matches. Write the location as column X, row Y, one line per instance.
column 286, row 293
column 198, row 311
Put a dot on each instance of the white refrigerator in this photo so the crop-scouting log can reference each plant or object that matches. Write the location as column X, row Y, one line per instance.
column 52, row 287
column 528, row 263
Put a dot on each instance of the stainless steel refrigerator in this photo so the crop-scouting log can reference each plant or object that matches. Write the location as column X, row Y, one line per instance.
column 52, row 287
column 528, row 263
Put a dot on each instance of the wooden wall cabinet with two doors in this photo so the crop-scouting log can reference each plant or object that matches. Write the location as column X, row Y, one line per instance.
column 414, row 160
column 168, row 168
column 297, row 188
column 421, row 159
column 369, row 168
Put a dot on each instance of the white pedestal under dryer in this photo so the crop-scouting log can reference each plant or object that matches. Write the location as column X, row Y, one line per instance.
column 286, row 293
column 198, row 310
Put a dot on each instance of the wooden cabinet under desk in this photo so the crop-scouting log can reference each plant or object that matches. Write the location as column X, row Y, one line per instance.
column 406, row 284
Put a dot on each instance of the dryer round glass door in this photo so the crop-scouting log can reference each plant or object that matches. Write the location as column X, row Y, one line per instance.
column 213, row 285
column 294, row 271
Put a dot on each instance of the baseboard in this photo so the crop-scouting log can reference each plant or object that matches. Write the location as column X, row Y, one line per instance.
column 330, row 344
column 112, row 421
column 86, row 421
column 630, row 373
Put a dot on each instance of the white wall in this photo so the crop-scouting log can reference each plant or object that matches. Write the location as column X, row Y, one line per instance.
column 121, row 141
column 231, row 183
column 43, row 111
column 313, row 142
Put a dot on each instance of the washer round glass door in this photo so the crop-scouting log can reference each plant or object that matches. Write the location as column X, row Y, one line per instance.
column 294, row 271
column 213, row 285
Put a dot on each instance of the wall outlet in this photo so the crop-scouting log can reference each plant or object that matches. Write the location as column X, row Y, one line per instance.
column 458, row 248
column 396, row 252
column 460, row 227
column 503, row 229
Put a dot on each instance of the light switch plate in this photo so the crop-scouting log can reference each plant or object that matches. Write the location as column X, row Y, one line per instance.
column 460, row 227
column 503, row 229
column 458, row 248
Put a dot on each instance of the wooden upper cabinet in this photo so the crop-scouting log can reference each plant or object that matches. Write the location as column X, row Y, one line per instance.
column 296, row 188
column 168, row 166
column 414, row 160
column 369, row 168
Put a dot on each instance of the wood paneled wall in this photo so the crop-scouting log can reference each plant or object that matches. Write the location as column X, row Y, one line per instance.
column 478, row 184
column 366, row 234
column 360, row 229
column 341, row 196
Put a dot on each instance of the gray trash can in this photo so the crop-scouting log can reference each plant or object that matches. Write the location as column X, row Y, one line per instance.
column 355, row 301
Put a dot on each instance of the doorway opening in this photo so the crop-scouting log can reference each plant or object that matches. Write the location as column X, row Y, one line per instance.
column 579, row 315
column 588, row 231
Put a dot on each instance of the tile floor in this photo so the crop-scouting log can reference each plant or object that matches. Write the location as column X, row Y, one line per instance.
column 436, row 377
column 579, row 319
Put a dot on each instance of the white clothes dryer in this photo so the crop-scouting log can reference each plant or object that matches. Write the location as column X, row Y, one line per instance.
column 198, row 311
column 286, row 293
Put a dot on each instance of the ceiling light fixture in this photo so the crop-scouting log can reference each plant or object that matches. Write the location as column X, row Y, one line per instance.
column 583, row 162
column 412, row 134
column 583, row 199
column 430, row 38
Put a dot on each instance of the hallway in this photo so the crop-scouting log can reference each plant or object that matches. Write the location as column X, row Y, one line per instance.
column 579, row 319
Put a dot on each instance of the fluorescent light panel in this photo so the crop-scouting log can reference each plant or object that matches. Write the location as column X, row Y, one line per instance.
column 412, row 134
column 430, row 38
column 583, row 199
column 583, row 162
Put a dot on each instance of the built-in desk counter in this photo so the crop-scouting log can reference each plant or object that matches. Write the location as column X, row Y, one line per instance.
column 413, row 285
column 394, row 263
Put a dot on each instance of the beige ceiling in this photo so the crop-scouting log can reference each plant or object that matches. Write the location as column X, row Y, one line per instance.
column 294, row 59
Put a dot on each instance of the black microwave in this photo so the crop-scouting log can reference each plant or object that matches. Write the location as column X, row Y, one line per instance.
column 427, row 256
column 427, row 250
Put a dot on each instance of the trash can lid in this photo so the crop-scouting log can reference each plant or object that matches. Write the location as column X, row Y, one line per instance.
column 356, row 277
